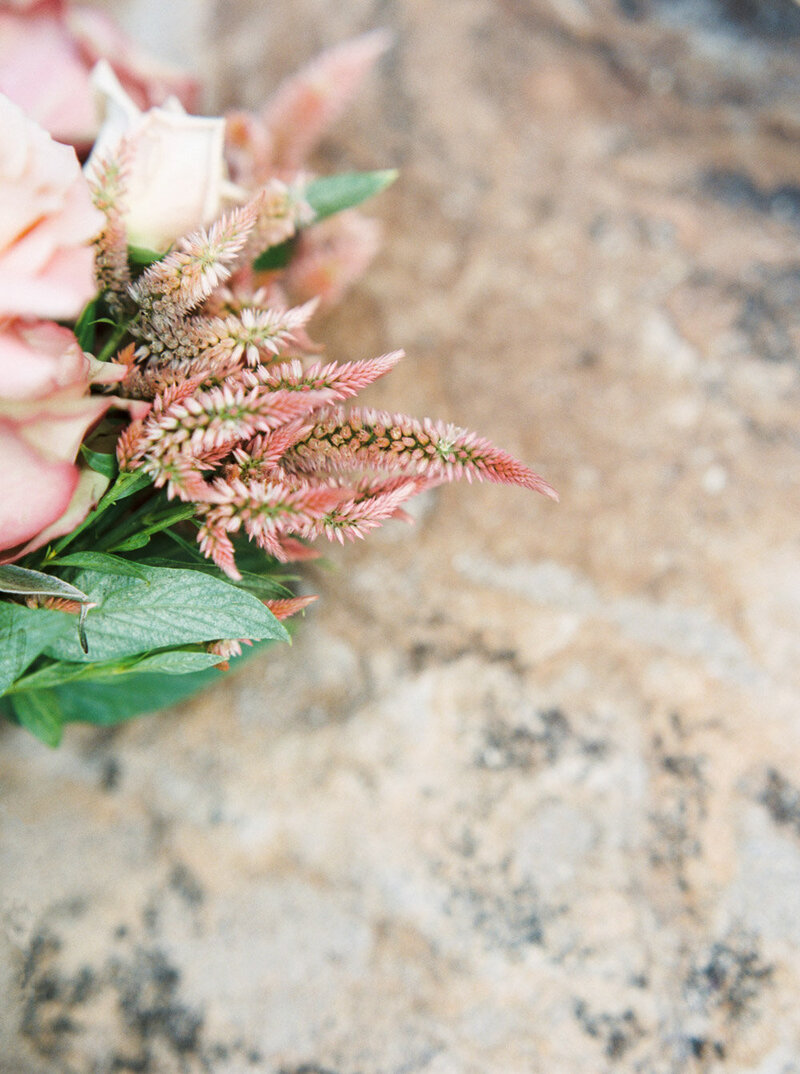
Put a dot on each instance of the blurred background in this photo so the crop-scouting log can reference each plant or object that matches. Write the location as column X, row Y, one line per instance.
column 524, row 794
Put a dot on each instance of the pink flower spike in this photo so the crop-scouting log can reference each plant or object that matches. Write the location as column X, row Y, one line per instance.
column 306, row 104
column 263, row 453
column 284, row 607
column 293, row 550
column 180, row 281
column 331, row 256
column 253, row 334
column 374, row 440
column 340, row 380
column 372, row 504
column 217, row 546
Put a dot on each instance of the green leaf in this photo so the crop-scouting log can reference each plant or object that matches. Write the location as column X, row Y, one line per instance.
column 260, row 583
column 125, row 485
column 170, row 662
column 181, row 513
column 275, row 257
column 333, row 193
column 107, row 703
column 178, row 607
column 102, row 562
column 177, row 662
column 24, row 634
column 101, row 462
column 141, row 255
column 41, row 713
column 84, row 328
column 130, row 544
column 21, row 581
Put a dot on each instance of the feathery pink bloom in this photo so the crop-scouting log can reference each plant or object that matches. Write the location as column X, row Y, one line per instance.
column 307, row 103
column 342, row 379
column 259, row 458
column 254, row 334
column 179, row 282
column 172, row 441
column 283, row 607
column 293, row 550
column 216, row 545
column 331, row 256
column 265, row 511
column 370, row 504
column 283, row 210
column 226, row 649
column 107, row 182
column 368, row 439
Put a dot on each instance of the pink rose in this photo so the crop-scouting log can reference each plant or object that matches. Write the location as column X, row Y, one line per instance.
column 47, row 51
column 47, row 222
column 45, row 412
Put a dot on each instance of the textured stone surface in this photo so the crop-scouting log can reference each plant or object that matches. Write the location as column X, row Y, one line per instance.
column 524, row 795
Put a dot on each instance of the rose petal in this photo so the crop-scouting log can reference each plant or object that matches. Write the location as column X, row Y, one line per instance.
column 37, row 358
column 61, row 422
column 34, row 491
column 47, row 222
column 89, row 489
column 176, row 174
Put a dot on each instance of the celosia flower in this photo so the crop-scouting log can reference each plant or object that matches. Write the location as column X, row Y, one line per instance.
column 47, row 221
column 47, row 51
column 45, row 412
column 176, row 171
column 331, row 256
column 308, row 102
column 363, row 439
column 257, row 445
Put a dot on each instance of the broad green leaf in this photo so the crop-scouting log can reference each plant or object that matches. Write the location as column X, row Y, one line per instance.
column 177, row 662
column 41, row 713
column 171, row 662
column 20, row 580
column 102, row 562
column 178, row 607
column 275, row 257
column 24, row 634
column 24, row 582
column 261, row 583
column 333, row 193
column 107, row 703
column 101, row 462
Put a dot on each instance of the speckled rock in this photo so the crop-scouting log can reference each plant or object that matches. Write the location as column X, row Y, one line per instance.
column 524, row 795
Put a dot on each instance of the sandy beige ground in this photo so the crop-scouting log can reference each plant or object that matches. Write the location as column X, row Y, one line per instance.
column 524, row 796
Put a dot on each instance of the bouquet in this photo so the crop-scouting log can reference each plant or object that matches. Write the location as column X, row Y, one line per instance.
column 172, row 440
